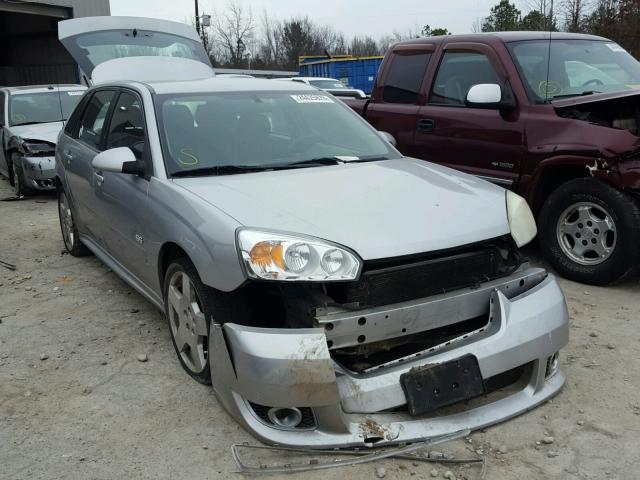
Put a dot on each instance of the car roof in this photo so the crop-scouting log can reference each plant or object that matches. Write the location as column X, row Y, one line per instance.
column 227, row 84
column 26, row 89
column 504, row 37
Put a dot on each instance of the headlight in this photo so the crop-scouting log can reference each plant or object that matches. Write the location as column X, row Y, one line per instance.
column 521, row 221
column 36, row 148
column 279, row 256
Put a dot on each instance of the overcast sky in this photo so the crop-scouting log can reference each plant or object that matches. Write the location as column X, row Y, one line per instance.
column 353, row 17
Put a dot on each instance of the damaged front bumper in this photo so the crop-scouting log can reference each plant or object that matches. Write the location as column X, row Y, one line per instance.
column 257, row 369
column 39, row 172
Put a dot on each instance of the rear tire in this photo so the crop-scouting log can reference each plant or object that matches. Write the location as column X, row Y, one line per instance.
column 590, row 232
column 68, row 227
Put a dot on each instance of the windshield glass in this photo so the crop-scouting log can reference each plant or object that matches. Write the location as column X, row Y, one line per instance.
column 91, row 49
column 30, row 108
column 261, row 129
column 577, row 67
column 327, row 84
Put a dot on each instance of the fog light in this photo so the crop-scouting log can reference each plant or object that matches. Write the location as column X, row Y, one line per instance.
column 552, row 365
column 285, row 417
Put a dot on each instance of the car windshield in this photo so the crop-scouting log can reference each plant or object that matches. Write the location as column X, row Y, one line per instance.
column 30, row 108
column 262, row 130
column 577, row 67
column 327, row 84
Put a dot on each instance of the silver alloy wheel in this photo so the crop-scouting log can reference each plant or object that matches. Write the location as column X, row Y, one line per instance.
column 586, row 233
column 66, row 221
column 187, row 322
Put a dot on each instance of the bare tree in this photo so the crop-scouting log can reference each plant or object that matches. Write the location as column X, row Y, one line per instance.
column 234, row 30
column 363, row 46
column 574, row 14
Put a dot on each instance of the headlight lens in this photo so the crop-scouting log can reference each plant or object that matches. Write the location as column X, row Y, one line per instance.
column 521, row 221
column 279, row 256
column 37, row 147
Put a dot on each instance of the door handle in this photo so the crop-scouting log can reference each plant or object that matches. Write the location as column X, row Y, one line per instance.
column 68, row 155
column 99, row 178
column 426, row 125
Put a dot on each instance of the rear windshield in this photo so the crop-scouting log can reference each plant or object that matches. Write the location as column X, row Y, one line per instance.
column 261, row 129
column 31, row 108
column 98, row 47
column 576, row 67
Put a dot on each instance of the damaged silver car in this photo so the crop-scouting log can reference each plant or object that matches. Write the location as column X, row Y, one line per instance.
column 334, row 292
column 30, row 119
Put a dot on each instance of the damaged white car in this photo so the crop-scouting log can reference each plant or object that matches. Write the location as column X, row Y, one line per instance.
column 334, row 292
column 30, row 119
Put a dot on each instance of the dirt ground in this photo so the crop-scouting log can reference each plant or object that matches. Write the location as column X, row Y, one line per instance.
column 75, row 403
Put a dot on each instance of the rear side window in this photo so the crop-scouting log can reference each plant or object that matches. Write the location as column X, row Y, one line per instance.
column 405, row 76
column 71, row 127
column 458, row 72
column 94, row 117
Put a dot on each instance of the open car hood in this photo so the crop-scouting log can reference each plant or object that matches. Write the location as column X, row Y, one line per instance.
column 99, row 41
column 594, row 97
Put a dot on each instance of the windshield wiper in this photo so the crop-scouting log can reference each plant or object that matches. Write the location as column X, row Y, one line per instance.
column 31, row 123
column 218, row 170
column 581, row 94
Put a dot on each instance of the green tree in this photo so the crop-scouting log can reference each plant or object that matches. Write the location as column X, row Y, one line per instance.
column 503, row 17
column 536, row 21
column 427, row 31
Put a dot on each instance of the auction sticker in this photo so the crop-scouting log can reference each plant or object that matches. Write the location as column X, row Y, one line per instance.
column 311, row 98
column 614, row 47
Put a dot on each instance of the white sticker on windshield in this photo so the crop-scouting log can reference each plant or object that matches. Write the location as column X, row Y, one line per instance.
column 311, row 98
column 614, row 47
column 74, row 94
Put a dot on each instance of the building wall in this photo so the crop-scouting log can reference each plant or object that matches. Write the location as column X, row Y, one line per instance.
column 82, row 8
column 30, row 52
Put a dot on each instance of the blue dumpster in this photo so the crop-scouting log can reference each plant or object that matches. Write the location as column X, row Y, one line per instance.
column 354, row 72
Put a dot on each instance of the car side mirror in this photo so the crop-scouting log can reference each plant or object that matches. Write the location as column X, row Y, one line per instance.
column 388, row 137
column 488, row 95
column 118, row 160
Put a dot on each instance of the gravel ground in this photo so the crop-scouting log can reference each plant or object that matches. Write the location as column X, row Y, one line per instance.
column 77, row 403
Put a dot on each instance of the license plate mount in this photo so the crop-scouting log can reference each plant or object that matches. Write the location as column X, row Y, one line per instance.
column 430, row 387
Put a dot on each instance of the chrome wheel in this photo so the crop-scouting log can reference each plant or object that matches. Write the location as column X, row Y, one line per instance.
column 187, row 322
column 66, row 222
column 586, row 233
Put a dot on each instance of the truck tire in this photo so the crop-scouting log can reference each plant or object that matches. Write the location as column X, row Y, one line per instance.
column 590, row 232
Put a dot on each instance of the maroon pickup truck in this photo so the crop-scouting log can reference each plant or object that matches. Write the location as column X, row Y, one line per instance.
column 556, row 118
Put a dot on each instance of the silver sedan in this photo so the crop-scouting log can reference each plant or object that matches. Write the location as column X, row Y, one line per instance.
column 334, row 292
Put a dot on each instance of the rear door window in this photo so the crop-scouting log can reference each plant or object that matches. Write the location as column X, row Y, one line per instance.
column 458, row 72
column 93, row 119
column 404, row 78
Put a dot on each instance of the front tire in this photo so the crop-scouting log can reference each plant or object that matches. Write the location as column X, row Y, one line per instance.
column 590, row 232
column 70, row 235
column 19, row 182
column 190, row 307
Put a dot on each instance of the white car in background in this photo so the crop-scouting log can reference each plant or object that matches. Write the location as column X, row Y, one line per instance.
column 30, row 119
column 331, row 85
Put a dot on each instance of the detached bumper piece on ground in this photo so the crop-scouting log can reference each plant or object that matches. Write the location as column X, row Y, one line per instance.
column 294, row 386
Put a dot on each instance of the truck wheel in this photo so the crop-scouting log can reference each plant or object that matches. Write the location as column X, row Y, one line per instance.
column 590, row 232
column 70, row 235
column 190, row 306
